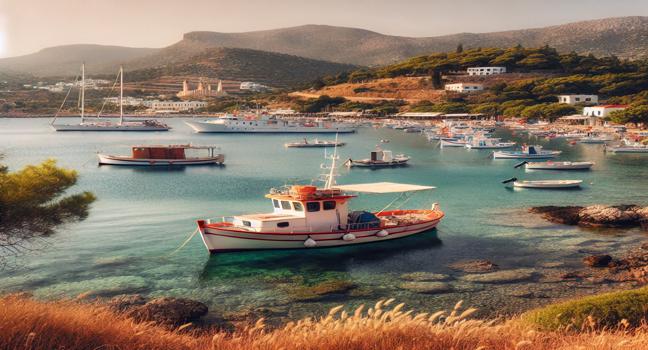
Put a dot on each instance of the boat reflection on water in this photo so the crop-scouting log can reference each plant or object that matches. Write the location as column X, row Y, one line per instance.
column 313, row 261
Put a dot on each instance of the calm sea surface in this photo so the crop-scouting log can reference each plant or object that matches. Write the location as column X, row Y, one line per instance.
column 142, row 215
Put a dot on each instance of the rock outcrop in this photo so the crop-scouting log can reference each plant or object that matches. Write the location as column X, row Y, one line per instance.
column 613, row 216
column 171, row 312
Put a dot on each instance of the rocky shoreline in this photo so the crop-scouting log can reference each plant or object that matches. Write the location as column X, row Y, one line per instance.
column 596, row 216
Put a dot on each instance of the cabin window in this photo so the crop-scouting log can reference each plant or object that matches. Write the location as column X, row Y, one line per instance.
column 275, row 203
column 312, row 206
column 283, row 224
column 329, row 205
column 298, row 206
column 247, row 223
column 285, row 205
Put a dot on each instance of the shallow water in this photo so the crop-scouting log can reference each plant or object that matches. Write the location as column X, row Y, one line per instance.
column 142, row 215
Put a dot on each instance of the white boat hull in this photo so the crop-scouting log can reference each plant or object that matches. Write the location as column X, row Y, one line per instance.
column 548, row 184
column 559, row 166
column 627, row 149
column 207, row 127
column 509, row 155
column 108, row 127
column 499, row 146
column 446, row 143
column 105, row 159
column 219, row 240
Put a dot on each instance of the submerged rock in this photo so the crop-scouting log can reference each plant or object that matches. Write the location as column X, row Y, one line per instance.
column 319, row 291
column 474, row 266
column 597, row 260
column 505, row 276
column 614, row 216
column 427, row 287
column 424, row 277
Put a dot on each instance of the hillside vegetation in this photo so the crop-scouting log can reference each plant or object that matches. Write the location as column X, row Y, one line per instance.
column 541, row 74
column 28, row 324
column 273, row 69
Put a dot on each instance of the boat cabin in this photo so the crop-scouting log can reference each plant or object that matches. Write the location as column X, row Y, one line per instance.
column 381, row 155
column 300, row 209
column 159, row 152
column 168, row 151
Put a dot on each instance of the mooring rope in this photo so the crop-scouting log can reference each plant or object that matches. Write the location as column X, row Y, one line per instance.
column 184, row 243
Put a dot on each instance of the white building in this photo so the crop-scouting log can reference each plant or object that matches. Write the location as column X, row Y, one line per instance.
column 174, row 106
column 486, row 70
column 252, row 86
column 602, row 111
column 464, row 87
column 578, row 99
column 127, row 101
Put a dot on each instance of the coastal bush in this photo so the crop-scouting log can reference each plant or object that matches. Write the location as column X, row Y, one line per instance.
column 33, row 203
column 29, row 324
column 605, row 310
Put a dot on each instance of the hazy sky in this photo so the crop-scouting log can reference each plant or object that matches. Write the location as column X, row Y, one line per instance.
column 29, row 25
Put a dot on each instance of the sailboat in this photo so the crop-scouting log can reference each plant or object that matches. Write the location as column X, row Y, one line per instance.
column 85, row 125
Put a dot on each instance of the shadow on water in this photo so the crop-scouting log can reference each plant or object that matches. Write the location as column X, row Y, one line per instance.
column 312, row 261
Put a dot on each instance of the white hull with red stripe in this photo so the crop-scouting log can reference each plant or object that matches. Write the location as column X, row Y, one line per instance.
column 105, row 159
column 222, row 239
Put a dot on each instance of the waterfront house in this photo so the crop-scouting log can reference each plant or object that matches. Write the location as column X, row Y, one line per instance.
column 602, row 111
column 578, row 99
column 486, row 70
column 464, row 87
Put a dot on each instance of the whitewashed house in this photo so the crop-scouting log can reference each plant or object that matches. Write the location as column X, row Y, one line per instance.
column 602, row 111
column 578, row 99
column 464, row 87
column 486, row 70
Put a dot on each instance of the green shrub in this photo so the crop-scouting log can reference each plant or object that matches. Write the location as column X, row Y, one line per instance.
column 604, row 310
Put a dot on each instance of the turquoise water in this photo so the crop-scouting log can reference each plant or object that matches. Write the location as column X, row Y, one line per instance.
column 142, row 215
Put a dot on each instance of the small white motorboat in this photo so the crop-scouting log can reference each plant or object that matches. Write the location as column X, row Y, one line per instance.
column 313, row 144
column 597, row 139
column 527, row 152
column 551, row 165
column 628, row 147
column 379, row 158
column 488, row 143
column 544, row 184
column 452, row 143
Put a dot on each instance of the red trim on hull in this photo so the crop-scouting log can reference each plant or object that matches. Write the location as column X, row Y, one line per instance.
column 319, row 240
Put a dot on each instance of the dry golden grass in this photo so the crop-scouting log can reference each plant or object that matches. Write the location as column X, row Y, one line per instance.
column 28, row 324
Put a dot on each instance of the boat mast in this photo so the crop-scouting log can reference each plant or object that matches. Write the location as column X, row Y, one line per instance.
column 121, row 95
column 82, row 92
column 330, row 177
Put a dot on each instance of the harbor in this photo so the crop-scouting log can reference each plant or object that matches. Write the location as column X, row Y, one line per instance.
column 155, row 210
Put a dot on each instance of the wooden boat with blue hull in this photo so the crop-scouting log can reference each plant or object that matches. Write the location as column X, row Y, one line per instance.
column 527, row 152
column 169, row 155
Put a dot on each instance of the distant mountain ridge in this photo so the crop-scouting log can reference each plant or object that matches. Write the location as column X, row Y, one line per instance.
column 625, row 37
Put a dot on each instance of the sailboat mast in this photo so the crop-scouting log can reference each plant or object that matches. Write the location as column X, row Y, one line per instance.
column 82, row 92
column 121, row 95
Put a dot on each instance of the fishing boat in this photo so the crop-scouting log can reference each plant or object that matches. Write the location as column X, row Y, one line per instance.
column 527, row 152
column 628, row 147
column 487, row 143
column 315, row 143
column 452, row 142
column 99, row 125
column 379, row 158
column 596, row 139
column 264, row 124
column 544, row 184
column 307, row 217
column 550, row 165
column 164, row 155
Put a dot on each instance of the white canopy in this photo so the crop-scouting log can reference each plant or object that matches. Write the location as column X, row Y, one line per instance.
column 383, row 187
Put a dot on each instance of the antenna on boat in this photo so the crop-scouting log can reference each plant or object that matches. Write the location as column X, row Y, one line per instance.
column 329, row 179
